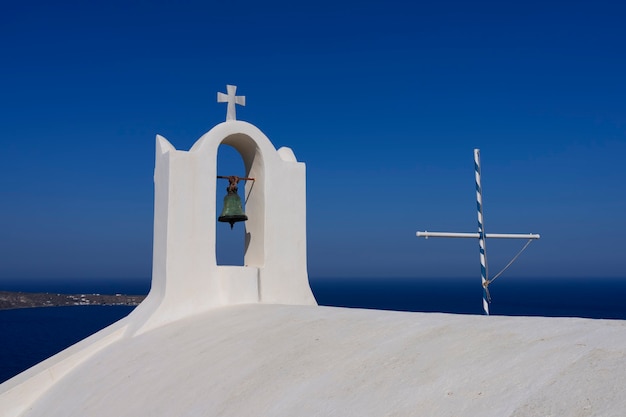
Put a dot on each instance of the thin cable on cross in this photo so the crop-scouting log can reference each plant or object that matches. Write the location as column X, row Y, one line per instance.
column 232, row 100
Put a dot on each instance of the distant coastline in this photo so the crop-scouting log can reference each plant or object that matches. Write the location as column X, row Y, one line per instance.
column 13, row 300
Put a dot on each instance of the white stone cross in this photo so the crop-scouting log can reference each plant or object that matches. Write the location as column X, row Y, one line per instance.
column 231, row 99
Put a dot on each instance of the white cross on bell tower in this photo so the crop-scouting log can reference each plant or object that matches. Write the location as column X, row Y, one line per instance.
column 231, row 99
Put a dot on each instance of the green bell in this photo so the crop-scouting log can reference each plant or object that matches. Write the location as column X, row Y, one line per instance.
column 232, row 212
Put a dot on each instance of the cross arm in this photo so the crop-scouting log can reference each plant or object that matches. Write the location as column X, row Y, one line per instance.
column 426, row 235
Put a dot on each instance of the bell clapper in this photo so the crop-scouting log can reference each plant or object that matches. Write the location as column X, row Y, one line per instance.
column 233, row 211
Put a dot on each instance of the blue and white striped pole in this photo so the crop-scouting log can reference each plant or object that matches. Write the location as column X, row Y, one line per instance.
column 481, row 231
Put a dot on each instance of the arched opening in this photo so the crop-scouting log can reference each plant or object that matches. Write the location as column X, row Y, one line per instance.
column 229, row 243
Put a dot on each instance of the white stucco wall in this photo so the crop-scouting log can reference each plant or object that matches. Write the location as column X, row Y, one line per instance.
column 186, row 278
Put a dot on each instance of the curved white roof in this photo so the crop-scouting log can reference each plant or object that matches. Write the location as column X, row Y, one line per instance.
column 278, row 360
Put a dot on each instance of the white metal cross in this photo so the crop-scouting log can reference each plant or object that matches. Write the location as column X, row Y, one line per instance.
column 231, row 99
column 481, row 235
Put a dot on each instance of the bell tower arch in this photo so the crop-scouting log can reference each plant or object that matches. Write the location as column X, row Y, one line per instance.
column 185, row 276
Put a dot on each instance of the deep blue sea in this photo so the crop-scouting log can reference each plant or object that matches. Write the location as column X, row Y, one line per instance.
column 32, row 335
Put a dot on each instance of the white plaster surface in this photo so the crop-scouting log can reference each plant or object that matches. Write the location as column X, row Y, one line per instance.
column 279, row 360
column 186, row 278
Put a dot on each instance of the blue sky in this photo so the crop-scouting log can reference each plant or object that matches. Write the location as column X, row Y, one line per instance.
column 383, row 100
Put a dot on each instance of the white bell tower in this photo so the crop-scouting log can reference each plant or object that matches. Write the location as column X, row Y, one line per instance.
column 185, row 276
